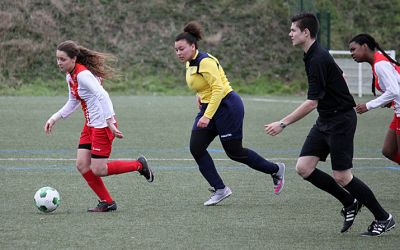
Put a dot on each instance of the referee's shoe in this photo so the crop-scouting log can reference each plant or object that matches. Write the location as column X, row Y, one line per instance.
column 378, row 227
column 349, row 213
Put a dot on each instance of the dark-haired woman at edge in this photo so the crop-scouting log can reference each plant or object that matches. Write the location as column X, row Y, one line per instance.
column 221, row 114
column 386, row 78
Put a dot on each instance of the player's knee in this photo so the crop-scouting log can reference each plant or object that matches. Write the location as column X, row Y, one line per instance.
column 235, row 156
column 387, row 153
column 82, row 167
column 98, row 170
column 236, row 152
column 302, row 170
column 196, row 151
column 342, row 177
column 341, row 180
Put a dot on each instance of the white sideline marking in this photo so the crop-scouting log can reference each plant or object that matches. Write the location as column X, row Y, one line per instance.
column 272, row 100
column 167, row 159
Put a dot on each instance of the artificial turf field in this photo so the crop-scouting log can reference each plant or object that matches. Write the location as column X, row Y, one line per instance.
column 169, row 213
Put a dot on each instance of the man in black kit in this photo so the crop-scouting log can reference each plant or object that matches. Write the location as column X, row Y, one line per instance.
column 333, row 132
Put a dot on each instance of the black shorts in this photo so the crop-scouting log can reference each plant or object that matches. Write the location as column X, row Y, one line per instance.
column 333, row 135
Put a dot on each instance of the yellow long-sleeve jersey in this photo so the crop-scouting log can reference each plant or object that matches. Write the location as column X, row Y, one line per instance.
column 205, row 75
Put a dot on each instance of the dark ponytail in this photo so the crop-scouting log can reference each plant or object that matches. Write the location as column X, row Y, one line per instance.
column 372, row 45
column 192, row 33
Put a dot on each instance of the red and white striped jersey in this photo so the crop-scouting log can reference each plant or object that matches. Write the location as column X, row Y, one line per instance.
column 85, row 89
column 387, row 80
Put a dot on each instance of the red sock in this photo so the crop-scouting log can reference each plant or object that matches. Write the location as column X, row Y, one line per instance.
column 97, row 185
column 396, row 158
column 120, row 167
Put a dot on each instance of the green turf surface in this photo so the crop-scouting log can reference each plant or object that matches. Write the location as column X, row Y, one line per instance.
column 169, row 213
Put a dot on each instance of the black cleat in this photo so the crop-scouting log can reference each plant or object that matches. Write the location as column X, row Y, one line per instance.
column 349, row 213
column 104, row 207
column 146, row 170
column 378, row 227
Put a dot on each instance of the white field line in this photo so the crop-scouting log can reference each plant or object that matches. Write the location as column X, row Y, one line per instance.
column 169, row 159
column 272, row 100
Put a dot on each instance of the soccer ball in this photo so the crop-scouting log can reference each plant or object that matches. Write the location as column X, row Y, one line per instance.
column 47, row 199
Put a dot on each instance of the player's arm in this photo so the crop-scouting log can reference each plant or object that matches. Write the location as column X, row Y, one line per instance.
column 387, row 78
column 209, row 70
column 316, row 76
column 69, row 107
column 301, row 111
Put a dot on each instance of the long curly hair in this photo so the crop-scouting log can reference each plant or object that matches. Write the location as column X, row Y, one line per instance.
column 96, row 62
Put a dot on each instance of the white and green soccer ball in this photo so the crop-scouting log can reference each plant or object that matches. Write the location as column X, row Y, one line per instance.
column 47, row 199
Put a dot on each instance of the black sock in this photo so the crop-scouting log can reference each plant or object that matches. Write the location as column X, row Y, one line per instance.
column 365, row 195
column 326, row 182
column 237, row 152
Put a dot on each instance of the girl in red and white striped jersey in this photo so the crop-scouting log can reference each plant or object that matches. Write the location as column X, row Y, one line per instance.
column 386, row 78
column 85, row 70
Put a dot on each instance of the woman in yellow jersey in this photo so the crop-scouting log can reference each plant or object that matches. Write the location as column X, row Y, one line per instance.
column 221, row 114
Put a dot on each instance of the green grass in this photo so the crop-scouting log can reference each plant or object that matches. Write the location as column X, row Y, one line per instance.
column 168, row 214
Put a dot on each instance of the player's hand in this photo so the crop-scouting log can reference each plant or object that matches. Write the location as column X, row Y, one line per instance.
column 273, row 128
column 116, row 132
column 48, row 127
column 203, row 122
column 361, row 108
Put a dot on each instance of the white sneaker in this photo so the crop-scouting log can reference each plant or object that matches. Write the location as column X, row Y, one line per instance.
column 278, row 178
column 218, row 195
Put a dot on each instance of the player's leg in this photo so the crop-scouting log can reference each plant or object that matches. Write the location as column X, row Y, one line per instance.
column 199, row 141
column 341, row 143
column 83, row 162
column 228, row 121
column 306, row 167
column 83, row 157
column 316, row 148
column 236, row 152
column 358, row 189
column 101, row 150
column 104, row 167
column 390, row 148
column 383, row 220
column 95, row 182
column 366, row 197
